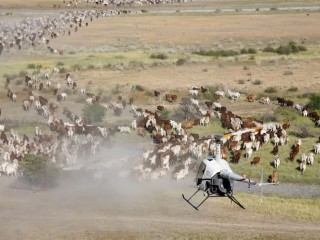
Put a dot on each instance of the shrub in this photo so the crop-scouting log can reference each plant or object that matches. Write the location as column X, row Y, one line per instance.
column 293, row 89
column 241, row 81
column 139, row 88
column 22, row 73
column 243, row 51
column 64, row 70
column 245, row 68
column 31, row 66
column 314, row 102
column 160, row 56
column 217, row 53
column 288, row 72
column 91, row 66
column 181, row 61
column 284, row 50
column 271, row 90
column 76, row 67
column 94, row 112
column 257, row 82
column 267, row 117
column 252, row 51
column 60, row 64
column 269, row 49
column 38, row 170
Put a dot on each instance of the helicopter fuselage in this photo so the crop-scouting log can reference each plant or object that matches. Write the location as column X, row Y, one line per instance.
column 209, row 179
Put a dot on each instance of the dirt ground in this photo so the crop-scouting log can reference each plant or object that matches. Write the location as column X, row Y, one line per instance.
column 82, row 209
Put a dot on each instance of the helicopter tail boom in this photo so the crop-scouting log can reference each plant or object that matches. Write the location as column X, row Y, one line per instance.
column 230, row 175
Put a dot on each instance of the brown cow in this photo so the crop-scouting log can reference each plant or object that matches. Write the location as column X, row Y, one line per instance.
column 43, row 101
column 250, row 97
column 255, row 160
column 160, row 108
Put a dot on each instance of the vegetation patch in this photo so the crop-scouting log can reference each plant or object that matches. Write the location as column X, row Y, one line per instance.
column 160, row 56
column 94, row 113
column 290, row 48
column 39, row 171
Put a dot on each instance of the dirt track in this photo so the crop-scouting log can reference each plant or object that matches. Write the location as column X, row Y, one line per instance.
column 80, row 209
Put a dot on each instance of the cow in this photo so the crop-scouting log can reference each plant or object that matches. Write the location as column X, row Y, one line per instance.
column 255, row 161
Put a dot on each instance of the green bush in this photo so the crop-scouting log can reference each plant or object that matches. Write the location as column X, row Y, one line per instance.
column 160, row 56
column 314, row 102
column 284, row 50
column 257, row 82
column 60, row 64
column 31, row 66
column 252, row 51
column 269, row 49
column 94, row 112
column 38, row 170
column 181, row 61
column 271, row 90
column 139, row 88
column 293, row 89
column 217, row 53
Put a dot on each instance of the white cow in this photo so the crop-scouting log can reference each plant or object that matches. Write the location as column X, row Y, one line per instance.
column 124, row 129
column 277, row 161
column 316, row 148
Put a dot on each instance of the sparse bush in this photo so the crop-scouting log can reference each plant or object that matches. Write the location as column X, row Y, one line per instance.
column 304, row 132
column 94, row 112
column 241, row 81
column 31, row 66
column 91, row 66
column 160, row 56
column 267, row 117
column 139, row 88
column 60, row 64
column 287, row 72
column 76, row 67
column 245, row 68
column 107, row 66
column 64, row 70
column 271, row 90
column 293, row 89
column 116, row 90
column 181, row 61
column 38, row 170
column 257, row 82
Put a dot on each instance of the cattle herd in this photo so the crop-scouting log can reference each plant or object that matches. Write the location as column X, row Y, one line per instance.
column 174, row 150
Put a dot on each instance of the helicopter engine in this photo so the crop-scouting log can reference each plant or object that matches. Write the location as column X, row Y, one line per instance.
column 220, row 185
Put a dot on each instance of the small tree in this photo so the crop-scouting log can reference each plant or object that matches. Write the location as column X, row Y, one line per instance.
column 94, row 112
column 38, row 170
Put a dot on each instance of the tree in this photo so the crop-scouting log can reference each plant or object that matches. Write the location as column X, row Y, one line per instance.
column 38, row 170
column 94, row 112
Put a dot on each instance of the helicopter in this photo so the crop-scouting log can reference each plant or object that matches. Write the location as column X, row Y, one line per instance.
column 215, row 177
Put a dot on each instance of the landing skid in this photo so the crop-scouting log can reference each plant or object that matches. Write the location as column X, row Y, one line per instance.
column 196, row 207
